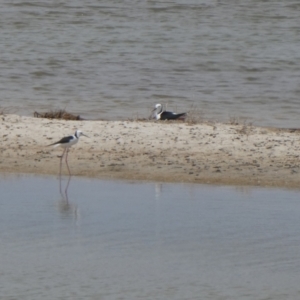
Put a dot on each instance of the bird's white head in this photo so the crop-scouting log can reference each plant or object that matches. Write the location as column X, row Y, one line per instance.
column 156, row 111
column 78, row 133
column 156, row 107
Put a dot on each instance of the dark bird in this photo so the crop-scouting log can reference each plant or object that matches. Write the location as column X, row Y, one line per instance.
column 160, row 114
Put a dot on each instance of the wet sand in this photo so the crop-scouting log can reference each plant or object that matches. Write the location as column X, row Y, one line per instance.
column 161, row 151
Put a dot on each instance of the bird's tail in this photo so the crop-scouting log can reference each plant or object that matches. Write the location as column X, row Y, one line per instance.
column 54, row 145
column 182, row 115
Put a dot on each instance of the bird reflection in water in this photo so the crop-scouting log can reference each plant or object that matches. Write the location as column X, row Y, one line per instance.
column 65, row 207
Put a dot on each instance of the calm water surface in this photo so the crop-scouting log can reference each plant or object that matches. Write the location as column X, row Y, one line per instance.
column 116, row 59
column 128, row 240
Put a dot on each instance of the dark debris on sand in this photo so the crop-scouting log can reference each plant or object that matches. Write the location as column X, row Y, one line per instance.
column 58, row 114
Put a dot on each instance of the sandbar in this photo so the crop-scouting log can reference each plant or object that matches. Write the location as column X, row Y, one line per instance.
column 208, row 152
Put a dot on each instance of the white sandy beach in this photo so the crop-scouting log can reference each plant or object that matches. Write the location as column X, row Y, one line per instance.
column 160, row 151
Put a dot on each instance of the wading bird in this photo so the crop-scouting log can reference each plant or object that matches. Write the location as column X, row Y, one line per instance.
column 66, row 142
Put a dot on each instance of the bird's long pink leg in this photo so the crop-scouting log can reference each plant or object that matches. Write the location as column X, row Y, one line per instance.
column 61, row 161
column 67, row 161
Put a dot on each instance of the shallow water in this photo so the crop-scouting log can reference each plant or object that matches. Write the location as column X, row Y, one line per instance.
column 131, row 240
column 116, row 59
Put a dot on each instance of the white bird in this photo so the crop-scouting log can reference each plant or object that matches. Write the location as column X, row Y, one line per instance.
column 160, row 114
column 66, row 142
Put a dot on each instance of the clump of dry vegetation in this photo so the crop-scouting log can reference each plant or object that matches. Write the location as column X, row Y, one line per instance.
column 5, row 110
column 57, row 114
column 239, row 121
column 197, row 116
column 194, row 116
column 246, row 127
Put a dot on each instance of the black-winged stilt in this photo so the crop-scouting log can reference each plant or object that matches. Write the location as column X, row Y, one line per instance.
column 160, row 114
column 66, row 142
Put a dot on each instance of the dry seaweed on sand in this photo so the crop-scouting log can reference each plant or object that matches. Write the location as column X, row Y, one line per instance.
column 5, row 110
column 57, row 114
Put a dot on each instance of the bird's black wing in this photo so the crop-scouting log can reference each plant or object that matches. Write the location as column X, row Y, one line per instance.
column 64, row 140
column 167, row 115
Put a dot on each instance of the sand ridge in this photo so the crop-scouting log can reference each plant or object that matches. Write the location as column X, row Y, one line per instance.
column 160, row 151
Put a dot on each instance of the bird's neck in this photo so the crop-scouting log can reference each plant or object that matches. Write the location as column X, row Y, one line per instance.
column 159, row 110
